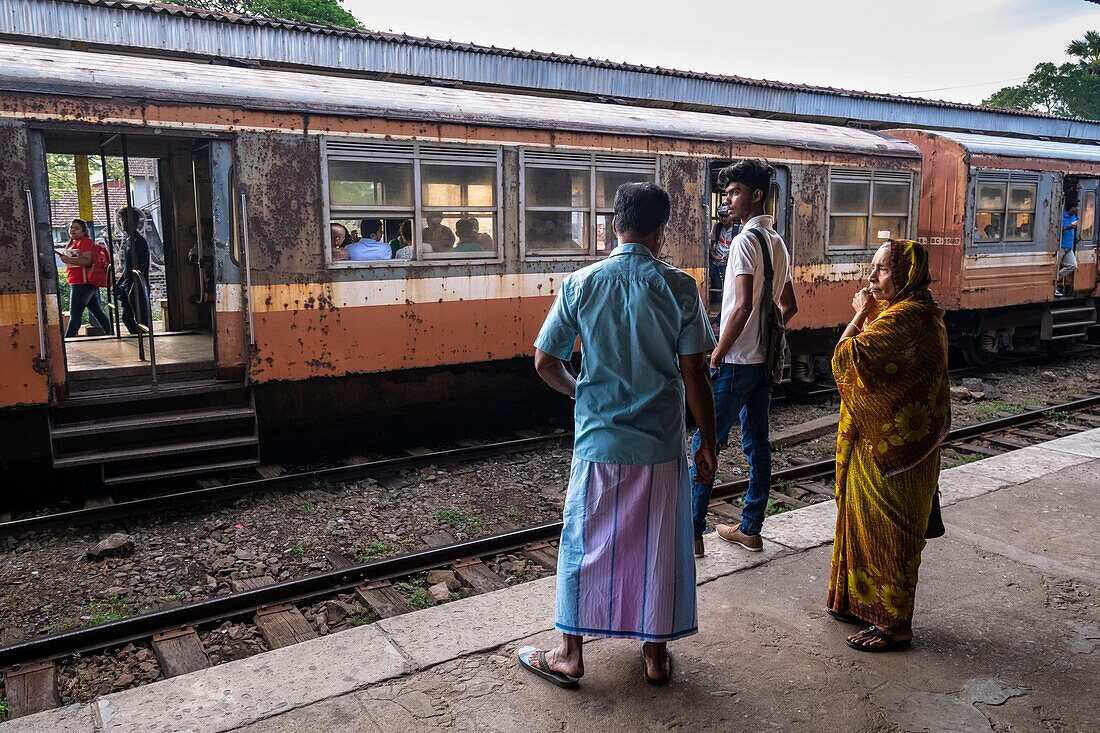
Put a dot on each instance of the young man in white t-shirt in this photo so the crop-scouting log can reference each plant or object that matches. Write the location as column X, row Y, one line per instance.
column 740, row 383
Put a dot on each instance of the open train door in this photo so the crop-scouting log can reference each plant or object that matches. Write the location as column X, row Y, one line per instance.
column 1086, row 277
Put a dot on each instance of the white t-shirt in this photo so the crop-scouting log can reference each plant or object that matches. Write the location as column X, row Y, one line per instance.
column 746, row 259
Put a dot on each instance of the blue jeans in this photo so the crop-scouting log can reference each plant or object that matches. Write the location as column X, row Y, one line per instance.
column 740, row 390
column 83, row 297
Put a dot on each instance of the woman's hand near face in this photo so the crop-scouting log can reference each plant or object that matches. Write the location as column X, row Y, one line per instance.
column 863, row 303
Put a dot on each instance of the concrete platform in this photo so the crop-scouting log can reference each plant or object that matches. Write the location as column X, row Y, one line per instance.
column 1007, row 639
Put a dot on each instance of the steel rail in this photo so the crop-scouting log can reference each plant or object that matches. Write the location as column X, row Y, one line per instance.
column 190, row 498
column 319, row 584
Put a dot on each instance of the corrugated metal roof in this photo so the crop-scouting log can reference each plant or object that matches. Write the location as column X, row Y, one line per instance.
column 1016, row 148
column 80, row 74
column 175, row 29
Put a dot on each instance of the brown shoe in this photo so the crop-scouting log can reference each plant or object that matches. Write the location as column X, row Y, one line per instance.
column 750, row 542
column 699, row 550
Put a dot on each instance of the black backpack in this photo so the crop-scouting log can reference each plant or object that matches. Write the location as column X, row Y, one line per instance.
column 773, row 333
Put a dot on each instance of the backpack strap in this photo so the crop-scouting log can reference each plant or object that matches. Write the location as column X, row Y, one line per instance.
column 769, row 273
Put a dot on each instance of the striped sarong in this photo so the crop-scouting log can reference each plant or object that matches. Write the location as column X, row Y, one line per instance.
column 625, row 563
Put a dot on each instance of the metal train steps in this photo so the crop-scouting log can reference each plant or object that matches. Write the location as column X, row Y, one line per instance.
column 1067, row 321
column 157, row 435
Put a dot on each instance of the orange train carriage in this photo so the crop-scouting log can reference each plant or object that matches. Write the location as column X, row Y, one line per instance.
column 252, row 165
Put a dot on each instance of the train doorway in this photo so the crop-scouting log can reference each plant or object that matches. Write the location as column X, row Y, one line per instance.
column 1086, row 276
column 147, row 203
column 717, row 249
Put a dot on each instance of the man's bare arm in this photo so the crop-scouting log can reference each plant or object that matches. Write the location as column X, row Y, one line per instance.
column 554, row 372
column 788, row 303
column 700, row 400
column 732, row 328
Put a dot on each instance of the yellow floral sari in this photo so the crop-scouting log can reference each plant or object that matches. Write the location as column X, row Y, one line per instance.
column 895, row 409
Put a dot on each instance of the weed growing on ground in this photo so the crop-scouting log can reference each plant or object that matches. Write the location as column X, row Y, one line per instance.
column 511, row 512
column 418, row 596
column 458, row 518
column 523, row 576
column 372, row 551
column 3, row 710
column 298, row 550
column 362, row 619
column 107, row 610
column 994, row 409
column 774, row 507
column 964, row 458
column 309, row 508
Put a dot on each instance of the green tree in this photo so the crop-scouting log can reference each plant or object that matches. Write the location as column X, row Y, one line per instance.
column 323, row 12
column 1067, row 90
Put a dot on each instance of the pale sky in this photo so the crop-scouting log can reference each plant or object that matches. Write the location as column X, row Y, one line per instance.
column 962, row 50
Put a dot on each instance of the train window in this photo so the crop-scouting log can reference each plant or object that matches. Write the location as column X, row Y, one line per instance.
column 359, row 184
column 1088, row 216
column 423, row 201
column 1004, row 207
column 569, row 200
column 867, row 206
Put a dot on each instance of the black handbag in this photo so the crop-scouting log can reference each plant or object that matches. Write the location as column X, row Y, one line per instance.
column 935, row 519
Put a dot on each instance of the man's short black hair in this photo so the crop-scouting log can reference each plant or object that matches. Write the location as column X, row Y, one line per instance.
column 641, row 208
column 370, row 226
column 465, row 227
column 754, row 173
column 407, row 229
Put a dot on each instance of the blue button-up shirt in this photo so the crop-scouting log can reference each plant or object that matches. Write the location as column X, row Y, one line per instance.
column 635, row 316
column 368, row 249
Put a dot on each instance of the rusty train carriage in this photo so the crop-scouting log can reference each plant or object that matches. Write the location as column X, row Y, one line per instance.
column 286, row 315
column 991, row 215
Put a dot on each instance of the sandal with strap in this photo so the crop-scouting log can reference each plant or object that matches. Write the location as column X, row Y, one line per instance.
column 873, row 632
column 657, row 681
column 542, row 668
column 845, row 618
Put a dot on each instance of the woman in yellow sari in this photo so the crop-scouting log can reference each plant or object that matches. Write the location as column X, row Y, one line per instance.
column 891, row 369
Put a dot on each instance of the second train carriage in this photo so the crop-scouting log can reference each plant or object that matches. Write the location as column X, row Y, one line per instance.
column 991, row 216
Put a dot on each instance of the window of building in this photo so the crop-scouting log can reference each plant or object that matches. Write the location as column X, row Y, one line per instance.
column 399, row 202
column 1004, row 207
column 568, row 203
column 867, row 207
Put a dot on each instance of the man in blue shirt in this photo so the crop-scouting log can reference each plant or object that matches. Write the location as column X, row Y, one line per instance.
column 1068, row 260
column 625, row 565
column 371, row 246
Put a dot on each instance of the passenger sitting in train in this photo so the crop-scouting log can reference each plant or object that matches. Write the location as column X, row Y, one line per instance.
column 466, row 230
column 483, row 238
column 1068, row 260
column 340, row 240
column 402, row 244
column 436, row 236
column 370, row 247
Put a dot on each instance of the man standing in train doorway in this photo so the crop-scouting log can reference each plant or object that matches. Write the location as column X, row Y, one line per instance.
column 624, row 563
column 737, row 365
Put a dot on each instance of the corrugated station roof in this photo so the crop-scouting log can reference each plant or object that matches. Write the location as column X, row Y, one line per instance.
column 177, row 29
column 77, row 73
column 1017, row 148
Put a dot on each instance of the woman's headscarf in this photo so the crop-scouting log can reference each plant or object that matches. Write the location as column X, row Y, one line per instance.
column 892, row 377
column 909, row 268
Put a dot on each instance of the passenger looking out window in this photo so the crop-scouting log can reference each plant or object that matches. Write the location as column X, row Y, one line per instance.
column 468, row 237
column 340, row 241
column 370, row 247
column 402, row 244
column 437, row 236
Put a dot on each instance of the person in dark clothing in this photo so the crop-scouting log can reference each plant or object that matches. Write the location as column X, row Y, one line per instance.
column 135, row 254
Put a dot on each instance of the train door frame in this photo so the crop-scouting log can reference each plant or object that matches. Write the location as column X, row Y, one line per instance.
column 188, row 149
column 779, row 200
column 1087, row 276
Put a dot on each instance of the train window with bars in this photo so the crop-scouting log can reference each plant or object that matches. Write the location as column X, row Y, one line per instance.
column 569, row 200
column 431, row 202
column 1004, row 207
column 867, row 207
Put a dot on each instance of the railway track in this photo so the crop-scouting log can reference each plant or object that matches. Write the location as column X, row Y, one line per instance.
column 274, row 479
column 171, row 632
